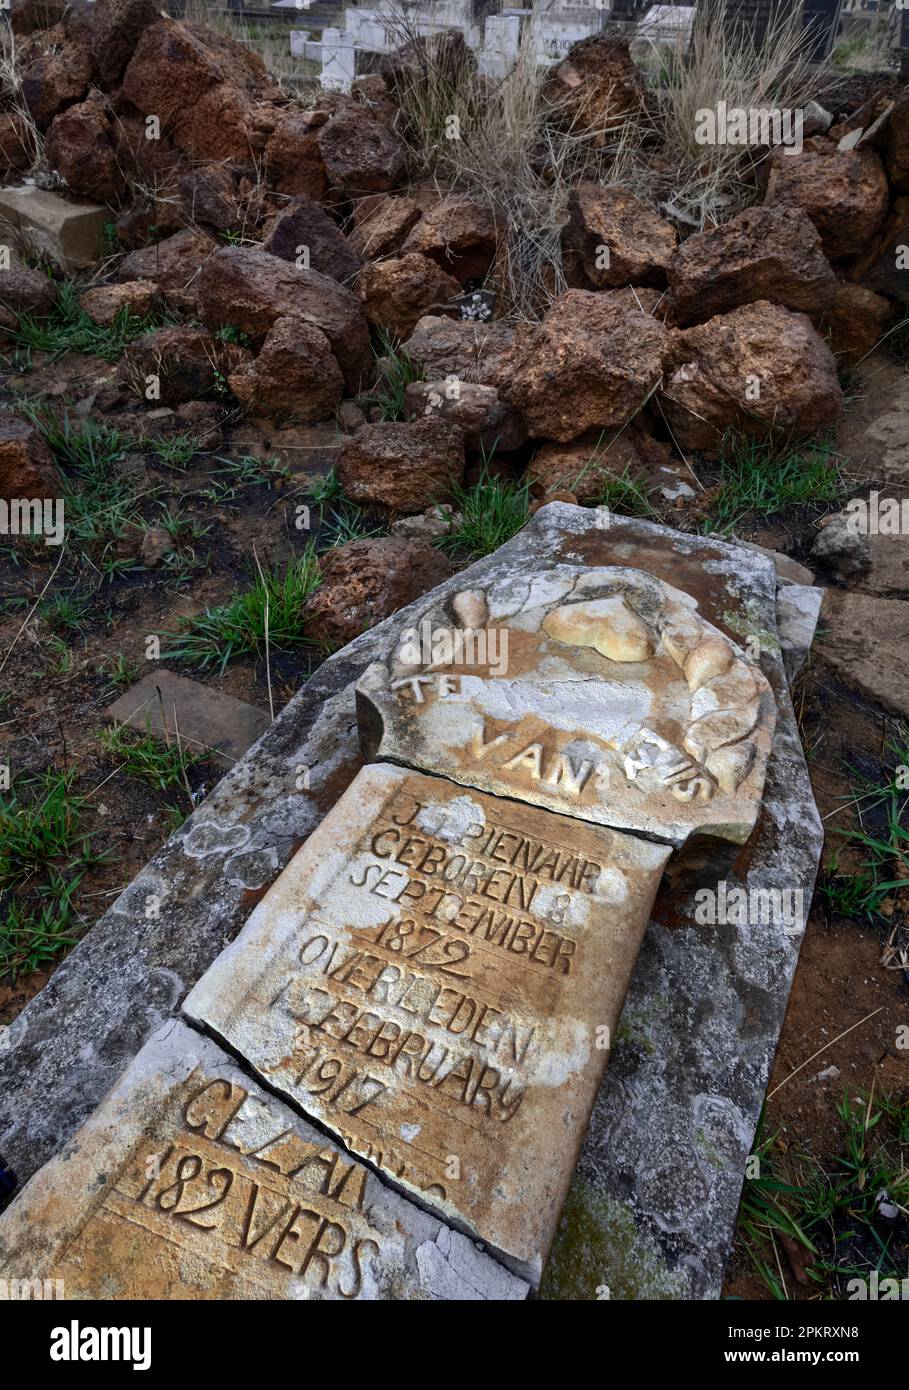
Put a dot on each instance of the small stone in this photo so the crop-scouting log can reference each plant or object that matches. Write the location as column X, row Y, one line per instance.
column 295, row 375
column 844, row 193
column 401, row 466
column 851, row 645
column 442, row 347
column 367, row 580
column 308, row 227
column 638, row 242
column 360, row 154
column 27, row 466
column 398, row 292
column 460, row 234
column 105, row 302
column 841, row 548
column 174, row 265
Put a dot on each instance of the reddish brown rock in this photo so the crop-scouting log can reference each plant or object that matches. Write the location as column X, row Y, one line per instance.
column 459, row 234
column 187, row 363
column 27, row 466
column 305, row 234
column 175, row 64
column 589, row 465
column 17, row 151
column 210, row 196
column 80, row 148
column 382, row 227
column 398, row 292
column 361, row 154
column 26, row 291
column 596, row 85
column 844, row 193
column 225, row 123
column 590, row 364
column 366, row 581
column 612, row 220
column 884, row 264
column 29, row 16
column 486, row 423
column 105, row 302
column 295, row 375
column 853, row 322
column 441, row 347
column 897, row 144
column 175, row 265
column 759, row 369
column 769, row 253
column 400, row 466
column 115, row 33
column 56, row 69
column 293, row 158
column 249, row 288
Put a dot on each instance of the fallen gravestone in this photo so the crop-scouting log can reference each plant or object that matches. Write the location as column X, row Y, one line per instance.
column 652, row 1204
column 190, row 1182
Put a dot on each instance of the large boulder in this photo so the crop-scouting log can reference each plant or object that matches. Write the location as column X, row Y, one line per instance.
column 590, row 364
column 440, row 348
column 368, row 580
column 175, row 265
column 305, row 233
column 80, row 147
column 361, row 154
column 116, row 29
column 617, row 238
column 762, row 253
column 759, row 369
column 381, row 225
column 398, row 292
column 250, row 289
column 460, row 234
column 844, row 192
column 27, row 466
column 486, row 422
column 293, row 159
column 175, row 64
column 596, row 86
column 402, row 467
column 56, row 68
column 295, row 375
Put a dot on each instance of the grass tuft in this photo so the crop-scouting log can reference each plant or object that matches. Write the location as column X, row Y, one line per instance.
column 756, row 477
column 492, row 511
column 68, row 328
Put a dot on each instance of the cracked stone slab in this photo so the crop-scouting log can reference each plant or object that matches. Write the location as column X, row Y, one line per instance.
column 190, row 1182
column 174, row 708
column 436, row 977
column 596, row 691
column 704, row 1008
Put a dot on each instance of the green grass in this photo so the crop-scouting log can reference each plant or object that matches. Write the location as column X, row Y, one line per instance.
column 327, row 489
column 67, row 611
column 159, row 764
column 119, row 672
column 68, row 328
column 492, row 511
column 882, row 833
column 830, row 1209
column 84, row 444
column 759, row 479
column 397, row 372
column 244, row 472
column 625, row 495
column 176, row 450
column 347, row 524
column 238, row 628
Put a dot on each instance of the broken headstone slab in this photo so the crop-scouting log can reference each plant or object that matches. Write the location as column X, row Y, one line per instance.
column 189, row 1182
column 598, row 692
column 437, row 977
column 173, row 708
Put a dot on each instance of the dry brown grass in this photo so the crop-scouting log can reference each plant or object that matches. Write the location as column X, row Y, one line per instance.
column 11, row 94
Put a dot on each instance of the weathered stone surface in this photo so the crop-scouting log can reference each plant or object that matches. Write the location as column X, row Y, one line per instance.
column 17, row 151
column 174, row 265
column 367, row 580
column 105, row 302
column 402, row 466
column 851, row 645
column 596, row 85
column 383, row 229
column 29, row 16
column 717, row 365
column 225, row 123
column 188, row 362
column 360, row 154
column 496, row 1007
column 882, row 266
column 640, row 244
column 652, row 1208
column 26, row 464
column 295, row 375
column 761, row 253
column 840, row 548
column 307, row 229
column 116, row 27
column 398, row 292
column 590, row 364
column 80, row 148
column 174, row 64
column 854, row 322
column 486, row 423
column 55, row 69
column 205, row 720
column 897, row 144
column 443, row 347
column 459, row 234
column 588, row 465
column 599, row 693
column 249, row 288
column 293, row 157
column 160, row 1195
column 210, row 196
column 844, row 193
column 26, row 291
column 67, row 231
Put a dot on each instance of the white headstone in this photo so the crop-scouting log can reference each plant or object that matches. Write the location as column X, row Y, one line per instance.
column 338, row 61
